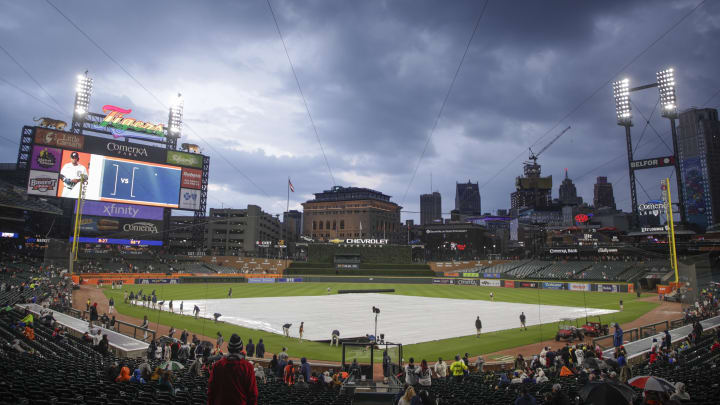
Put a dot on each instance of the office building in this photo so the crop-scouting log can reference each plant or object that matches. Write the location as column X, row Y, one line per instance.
column 568, row 192
column 430, row 208
column 699, row 155
column 603, row 196
column 352, row 212
column 291, row 226
column 467, row 198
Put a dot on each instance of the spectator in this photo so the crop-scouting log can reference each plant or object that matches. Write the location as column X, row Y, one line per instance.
column 93, row 313
column 260, row 349
column 260, row 374
column 715, row 346
column 165, row 382
column 171, row 332
column 668, row 340
column 525, row 398
column 618, row 336
column 250, row 348
column 441, row 368
column 558, row 397
column 519, row 363
column 424, row 374
column 387, row 366
column 104, row 345
column 274, row 364
column 407, row 398
column 411, row 372
column 289, row 373
column 220, row 341
column 540, row 376
column 305, row 370
column 283, row 356
column 145, row 325
column 124, row 375
column 680, row 394
column 479, row 364
column 232, row 378
column 457, row 368
column 137, row 377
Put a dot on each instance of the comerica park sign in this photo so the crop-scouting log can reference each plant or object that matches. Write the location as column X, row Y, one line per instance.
column 652, row 163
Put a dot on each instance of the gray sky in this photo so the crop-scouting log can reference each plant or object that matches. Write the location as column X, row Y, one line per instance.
column 374, row 74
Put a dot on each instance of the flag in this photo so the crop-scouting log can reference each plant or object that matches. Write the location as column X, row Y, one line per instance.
column 291, row 186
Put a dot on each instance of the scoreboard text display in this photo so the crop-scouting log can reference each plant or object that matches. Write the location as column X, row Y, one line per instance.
column 117, row 171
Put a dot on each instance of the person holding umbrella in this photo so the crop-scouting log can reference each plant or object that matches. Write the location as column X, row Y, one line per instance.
column 606, row 392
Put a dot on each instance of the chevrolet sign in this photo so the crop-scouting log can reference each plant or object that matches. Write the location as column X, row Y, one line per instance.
column 652, row 163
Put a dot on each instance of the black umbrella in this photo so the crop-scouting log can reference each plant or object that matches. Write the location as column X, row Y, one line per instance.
column 612, row 363
column 595, row 364
column 606, row 393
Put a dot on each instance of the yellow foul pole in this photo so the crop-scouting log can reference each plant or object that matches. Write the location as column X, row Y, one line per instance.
column 671, row 226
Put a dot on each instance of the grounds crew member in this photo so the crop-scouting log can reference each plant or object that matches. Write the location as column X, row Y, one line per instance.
column 522, row 320
column 478, row 326
column 335, row 338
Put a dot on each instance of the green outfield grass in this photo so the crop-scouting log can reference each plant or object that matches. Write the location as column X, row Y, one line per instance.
column 446, row 348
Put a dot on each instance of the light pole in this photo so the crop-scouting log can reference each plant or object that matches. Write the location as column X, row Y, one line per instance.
column 666, row 87
column 621, row 93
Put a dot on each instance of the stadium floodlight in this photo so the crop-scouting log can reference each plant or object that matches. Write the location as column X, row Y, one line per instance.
column 176, row 115
column 621, row 92
column 83, row 90
column 666, row 86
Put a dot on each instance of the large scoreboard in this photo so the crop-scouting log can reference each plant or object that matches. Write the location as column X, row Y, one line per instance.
column 117, row 171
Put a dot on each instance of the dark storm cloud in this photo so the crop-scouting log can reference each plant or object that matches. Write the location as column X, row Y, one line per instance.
column 374, row 75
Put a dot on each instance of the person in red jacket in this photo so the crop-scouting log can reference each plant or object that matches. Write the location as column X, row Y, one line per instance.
column 232, row 378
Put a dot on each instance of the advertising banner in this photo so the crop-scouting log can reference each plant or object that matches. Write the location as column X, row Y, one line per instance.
column 189, row 199
column 108, row 209
column 260, row 280
column 509, row 284
column 466, row 282
column 74, row 165
column 191, row 178
column 489, row 283
column 451, row 274
column 184, row 159
column 607, row 288
column 45, row 158
column 491, row 275
column 124, row 228
column 527, row 284
column 288, row 280
column 664, row 289
column 42, row 183
column 51, row 137
column 553, row 286
column 697, row 198
column 579, row 286
column 471, row 275
column 156, row 281
column 126, row 150
column 443, row 281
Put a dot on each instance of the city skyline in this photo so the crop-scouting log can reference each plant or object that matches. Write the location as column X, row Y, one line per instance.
column 373, row 101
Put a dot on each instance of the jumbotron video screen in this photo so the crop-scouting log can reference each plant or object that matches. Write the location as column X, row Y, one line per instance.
column 117, row 171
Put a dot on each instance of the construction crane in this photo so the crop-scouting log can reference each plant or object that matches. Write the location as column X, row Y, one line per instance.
column 534, row 156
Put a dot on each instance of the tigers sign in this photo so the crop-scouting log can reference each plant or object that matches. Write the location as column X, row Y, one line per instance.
column 115, row 117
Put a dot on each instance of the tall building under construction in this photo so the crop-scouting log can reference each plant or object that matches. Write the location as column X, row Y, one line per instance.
column 531, row 190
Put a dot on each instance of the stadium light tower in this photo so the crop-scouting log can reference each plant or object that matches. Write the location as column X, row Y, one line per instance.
column 621, row 93
column 668, row 102
column 176, row 115
column 83, row 91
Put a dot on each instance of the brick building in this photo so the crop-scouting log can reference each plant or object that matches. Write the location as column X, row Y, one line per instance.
column 352, row 212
